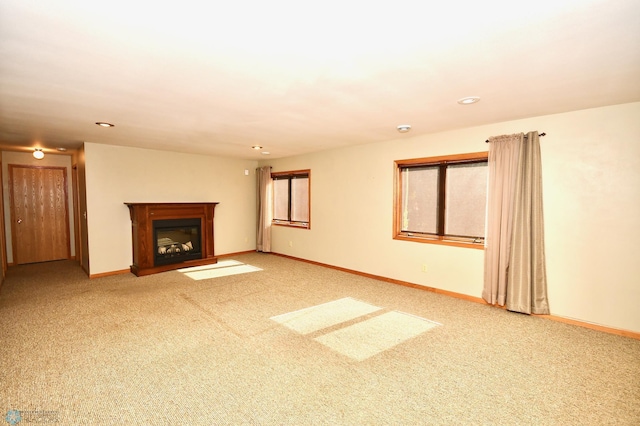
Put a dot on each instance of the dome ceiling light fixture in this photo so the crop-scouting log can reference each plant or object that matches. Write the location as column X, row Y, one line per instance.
column 104, row 124
column 404, row 128
column 38, row 154
column 469, row 100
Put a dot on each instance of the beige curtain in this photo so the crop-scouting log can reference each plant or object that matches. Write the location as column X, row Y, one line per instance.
column 515, row 273
column 265, row 200
column 503, row 156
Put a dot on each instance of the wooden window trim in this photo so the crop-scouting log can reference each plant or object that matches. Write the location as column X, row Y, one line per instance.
column 441, row 161
column 291, row 174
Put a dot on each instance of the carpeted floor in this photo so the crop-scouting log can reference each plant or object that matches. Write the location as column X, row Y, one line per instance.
column 263, row 348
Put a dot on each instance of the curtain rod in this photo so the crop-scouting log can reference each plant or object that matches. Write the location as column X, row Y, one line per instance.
column 541, row 134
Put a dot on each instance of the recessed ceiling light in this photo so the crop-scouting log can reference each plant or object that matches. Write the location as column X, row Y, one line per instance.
column 404, row 128
column 469, row 100
column 61, row 149
column 256, row 147
column 104, row 124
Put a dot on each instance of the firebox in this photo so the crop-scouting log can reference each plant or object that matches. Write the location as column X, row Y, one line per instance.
column 177, row 240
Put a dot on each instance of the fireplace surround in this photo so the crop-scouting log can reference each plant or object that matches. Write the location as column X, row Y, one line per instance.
column 168, row 236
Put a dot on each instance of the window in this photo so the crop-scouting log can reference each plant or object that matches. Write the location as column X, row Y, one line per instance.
column 442, row 199
column 291, row 198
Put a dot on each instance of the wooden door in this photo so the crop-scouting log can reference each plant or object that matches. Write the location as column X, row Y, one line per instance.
column 39, row 213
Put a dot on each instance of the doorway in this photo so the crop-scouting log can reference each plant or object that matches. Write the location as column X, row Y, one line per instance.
column 39, row 213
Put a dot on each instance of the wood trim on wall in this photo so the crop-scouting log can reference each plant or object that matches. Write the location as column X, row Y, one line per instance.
column 3, row 235
column 110, row 273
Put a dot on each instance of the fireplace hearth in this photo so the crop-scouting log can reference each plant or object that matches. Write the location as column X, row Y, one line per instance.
column 168, row 236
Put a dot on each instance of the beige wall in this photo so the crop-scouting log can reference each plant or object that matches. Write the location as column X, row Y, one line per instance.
column 115, row 175
column 26, row 158
column 591, row 178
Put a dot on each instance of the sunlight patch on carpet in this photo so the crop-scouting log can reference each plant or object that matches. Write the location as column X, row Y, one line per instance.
column 370, row 337
column 315, row 318
column 220, row 264
column 223, row 268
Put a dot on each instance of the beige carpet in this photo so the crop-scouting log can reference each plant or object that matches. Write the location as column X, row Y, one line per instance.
column 167, row 349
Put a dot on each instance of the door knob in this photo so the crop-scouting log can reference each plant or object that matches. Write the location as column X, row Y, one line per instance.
column 19, row 221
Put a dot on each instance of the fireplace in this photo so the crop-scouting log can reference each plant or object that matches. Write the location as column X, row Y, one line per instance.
column 168, row 236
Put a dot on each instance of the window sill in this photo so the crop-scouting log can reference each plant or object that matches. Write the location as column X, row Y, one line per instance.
column 291, row 224
column 440, row 241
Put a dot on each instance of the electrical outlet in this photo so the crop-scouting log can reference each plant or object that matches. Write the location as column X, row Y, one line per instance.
column 290, row 243
column 423, row 268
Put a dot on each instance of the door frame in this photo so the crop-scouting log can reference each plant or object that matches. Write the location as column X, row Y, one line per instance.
column 3, row 236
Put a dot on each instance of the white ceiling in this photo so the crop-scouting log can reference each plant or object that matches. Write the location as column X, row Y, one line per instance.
column 300, row 76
